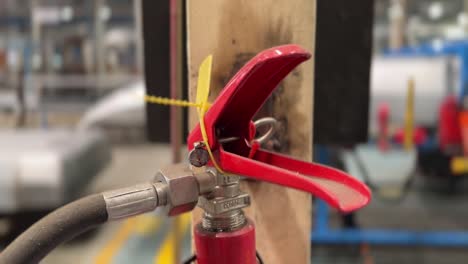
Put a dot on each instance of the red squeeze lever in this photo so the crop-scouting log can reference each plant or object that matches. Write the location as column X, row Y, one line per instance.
column 230, row 116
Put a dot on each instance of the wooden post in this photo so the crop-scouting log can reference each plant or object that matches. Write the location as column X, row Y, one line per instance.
column 234, row 31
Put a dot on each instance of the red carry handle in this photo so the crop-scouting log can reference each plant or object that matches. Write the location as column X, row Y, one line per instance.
column 230, row 116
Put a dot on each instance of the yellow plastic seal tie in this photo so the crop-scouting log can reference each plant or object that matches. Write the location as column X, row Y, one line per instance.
column 203, row 90
column 202, row 104
column 168, row 101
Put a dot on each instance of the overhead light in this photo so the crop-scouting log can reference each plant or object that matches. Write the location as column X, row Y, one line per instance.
column 67, row 13
column 462, row 19
column 435, row 10
column 395, row 11
column 105, row 13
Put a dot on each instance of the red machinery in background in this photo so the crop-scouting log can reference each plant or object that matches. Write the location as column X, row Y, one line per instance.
column 449, row 126
column 448, row 158
column 453, row 135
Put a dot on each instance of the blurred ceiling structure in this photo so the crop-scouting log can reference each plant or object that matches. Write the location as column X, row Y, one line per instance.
column 17, row 13
column 423, row 20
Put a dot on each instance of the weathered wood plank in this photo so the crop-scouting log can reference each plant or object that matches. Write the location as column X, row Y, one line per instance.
column 234, row 31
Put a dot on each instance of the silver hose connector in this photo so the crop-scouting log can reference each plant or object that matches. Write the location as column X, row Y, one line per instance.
column 179, row 189
column 135, row 200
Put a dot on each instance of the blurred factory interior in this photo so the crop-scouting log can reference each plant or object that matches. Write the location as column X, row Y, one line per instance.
column 73, row 121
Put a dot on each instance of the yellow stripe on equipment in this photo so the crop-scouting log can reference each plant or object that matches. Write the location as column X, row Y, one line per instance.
column 459, row 165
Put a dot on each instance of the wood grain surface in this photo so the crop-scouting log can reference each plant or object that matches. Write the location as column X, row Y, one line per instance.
column 234, row 31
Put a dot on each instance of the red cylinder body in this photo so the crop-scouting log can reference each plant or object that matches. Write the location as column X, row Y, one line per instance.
column 236, row 247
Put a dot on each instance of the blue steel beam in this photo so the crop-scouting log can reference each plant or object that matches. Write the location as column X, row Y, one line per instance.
column 322, row 234
column 391, row 237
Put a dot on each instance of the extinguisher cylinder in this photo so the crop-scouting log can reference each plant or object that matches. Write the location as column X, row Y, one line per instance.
column 232, row 247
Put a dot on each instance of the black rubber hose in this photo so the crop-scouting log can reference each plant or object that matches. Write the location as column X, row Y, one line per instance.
column 57, row 227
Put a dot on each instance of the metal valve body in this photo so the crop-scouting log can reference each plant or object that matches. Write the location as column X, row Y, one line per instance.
column 225, row 235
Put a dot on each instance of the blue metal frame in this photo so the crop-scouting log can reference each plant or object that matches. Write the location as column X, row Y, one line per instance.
column 323, row 234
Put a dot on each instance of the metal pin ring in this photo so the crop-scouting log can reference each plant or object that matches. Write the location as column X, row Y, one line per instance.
column 260, row 122
column 263, row 122
column 227, row 140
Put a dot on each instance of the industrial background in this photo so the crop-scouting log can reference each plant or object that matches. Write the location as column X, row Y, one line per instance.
column 381, row 98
